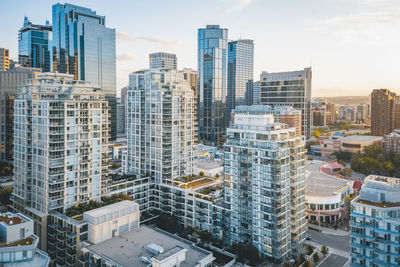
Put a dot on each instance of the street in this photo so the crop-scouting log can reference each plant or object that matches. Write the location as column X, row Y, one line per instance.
column 341, row 243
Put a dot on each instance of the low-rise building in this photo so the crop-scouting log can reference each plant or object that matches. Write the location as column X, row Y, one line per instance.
column 210, row 167
column 375, row 223
column 325, row 194
column 18, row 244
column 391, row 142
column 146, row 247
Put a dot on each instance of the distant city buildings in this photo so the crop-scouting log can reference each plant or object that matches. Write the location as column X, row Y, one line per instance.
column 383, row 110
column 289, row 88
column 163, row 60
column 264, row 184
column 83, row 46
column 160, row 124
column 61, row 133
column 323, row 113
column 121, row 122
column 347, row 113
column 10, row 81
column 256, row 93
column 33, row 45
column 212, row 71
column 391, row 142
column 4, row 59
column 18, row 243
column 375, row 223
column 240, row 74
column 363, row 112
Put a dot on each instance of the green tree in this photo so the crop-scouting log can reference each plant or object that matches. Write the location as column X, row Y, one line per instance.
column 5, row 194
column 316, row 257
column 372, row 151
column 324, row 250
column 201, row 173
column 307, row 263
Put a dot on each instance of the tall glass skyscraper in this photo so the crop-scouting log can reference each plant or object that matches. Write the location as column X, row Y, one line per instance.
column 83, row 46
column 33, row 44
column 212, row 69
column 240, row 74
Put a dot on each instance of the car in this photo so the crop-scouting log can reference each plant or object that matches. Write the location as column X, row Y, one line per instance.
column 308, row 237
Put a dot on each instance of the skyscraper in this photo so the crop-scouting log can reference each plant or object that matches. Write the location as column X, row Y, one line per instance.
column 374, row 222
column 160, row 124
column 83, row 46
column 289, row 88
column 4, row 59
column 383, row 110
column 191, row 76
column 10, row 81
column 264, row 183
column 61, row 134
column 33, row 45
column 256, row 93
column 212, row 69
column 163, row 60
column 240, row 74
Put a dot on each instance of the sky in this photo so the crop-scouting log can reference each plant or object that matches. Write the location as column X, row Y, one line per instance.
column 353, row 46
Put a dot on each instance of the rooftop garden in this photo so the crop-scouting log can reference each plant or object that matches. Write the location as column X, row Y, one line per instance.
column 379, row 204
column 22, row 242
column 81, row 208
column 11, row 220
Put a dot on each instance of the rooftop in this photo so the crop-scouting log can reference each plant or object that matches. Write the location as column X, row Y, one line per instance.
column 11, row 219
column 39, row 259
column 208, row 164
column 378, row 204
column 111, row 208
column 321, row 184
column 128, row 248
column 363, row 139
column 21, row 242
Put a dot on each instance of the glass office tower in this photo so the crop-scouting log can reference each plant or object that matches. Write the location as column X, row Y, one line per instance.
column 33, row 44
column 240, row 74
column 83, row 46
column 212, row 69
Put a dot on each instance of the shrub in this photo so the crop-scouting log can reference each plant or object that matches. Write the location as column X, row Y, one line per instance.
column 324, row 250
column 316, row 257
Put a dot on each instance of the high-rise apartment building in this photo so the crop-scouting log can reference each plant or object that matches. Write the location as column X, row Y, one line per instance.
column 160, row 124
column 375, row 223
column 319, row 112
column 33, row 45
column 397, row 112
column 289, row 88
column 4, row 59
column 264, row 184
column 83, row 46
column 163, row 60
column 124, row 93
column 362, row 113
column 212, row 69
column 121, row 122
column 240, row 74
column 330, row 113
column 10, row 81
column 191, row 76
column 383, row 107
column 256, row 93
column 61, row 132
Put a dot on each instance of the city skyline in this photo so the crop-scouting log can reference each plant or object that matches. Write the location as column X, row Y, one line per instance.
column 351, row 46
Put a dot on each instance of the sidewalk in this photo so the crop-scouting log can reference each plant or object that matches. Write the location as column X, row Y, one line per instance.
column 330, row 251
column 329, row 231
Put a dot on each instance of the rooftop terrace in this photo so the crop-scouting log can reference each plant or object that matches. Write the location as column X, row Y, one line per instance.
column 11, row 219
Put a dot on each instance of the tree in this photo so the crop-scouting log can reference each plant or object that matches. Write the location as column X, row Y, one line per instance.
column 317, row 133
column 307, row 263
column 348, row 172
column 201, row 173
column 5, row 194
column 316, row 257
column 324, row 250
column 372, row 151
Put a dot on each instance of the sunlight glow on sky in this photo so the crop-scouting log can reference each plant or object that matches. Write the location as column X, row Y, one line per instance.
column 352, row 45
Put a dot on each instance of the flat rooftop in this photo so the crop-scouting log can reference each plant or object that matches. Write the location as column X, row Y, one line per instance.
column 378, row 204
column 321, row 184
column 361, row 139
column 208, row 164
column 111, row 208
column 39, row 259
column 128, row 248
column 11, row 219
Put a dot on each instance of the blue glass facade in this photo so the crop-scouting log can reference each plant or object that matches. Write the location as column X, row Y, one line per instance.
column 240, row 74
column 212, row 92
column 33, row 43
column 83, row 46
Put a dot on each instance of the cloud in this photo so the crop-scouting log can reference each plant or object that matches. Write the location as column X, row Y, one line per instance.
column 127, row 57
column 237, row 5
column 375, row 24
column 162, row 44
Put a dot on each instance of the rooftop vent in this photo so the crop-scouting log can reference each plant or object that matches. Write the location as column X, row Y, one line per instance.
column 155, row 249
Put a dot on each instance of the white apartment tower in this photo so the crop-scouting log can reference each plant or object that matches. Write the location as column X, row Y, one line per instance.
column 160, row 124
column 61, row 131
column 264, row 183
